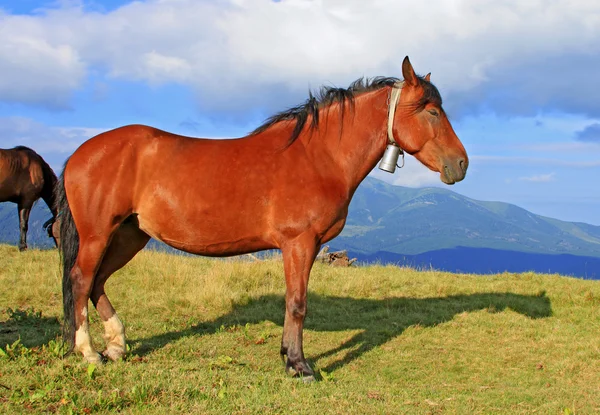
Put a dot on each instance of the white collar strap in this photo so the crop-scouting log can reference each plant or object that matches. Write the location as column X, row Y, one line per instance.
column 393, row 102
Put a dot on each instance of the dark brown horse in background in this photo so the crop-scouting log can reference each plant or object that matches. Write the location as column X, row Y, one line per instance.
column 287, row 185
column 24, row 178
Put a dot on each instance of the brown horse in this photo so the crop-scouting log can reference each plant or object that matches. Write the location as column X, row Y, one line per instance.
column 287, row 185
column 24, row 178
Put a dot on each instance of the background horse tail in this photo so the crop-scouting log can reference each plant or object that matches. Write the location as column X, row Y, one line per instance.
column 69, row 248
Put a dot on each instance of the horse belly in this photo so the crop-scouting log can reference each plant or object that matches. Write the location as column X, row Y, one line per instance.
column 205, row 228
column 11, row 185
column 217, row 248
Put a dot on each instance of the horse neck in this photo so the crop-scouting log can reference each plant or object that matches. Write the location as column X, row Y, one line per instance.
column 48, row 197
column 47, row 193
column 356, row 144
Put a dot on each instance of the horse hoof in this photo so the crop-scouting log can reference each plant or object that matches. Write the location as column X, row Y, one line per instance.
column 113, row 354
column 305, row 376
column 307, row 379
column 94, row 359
column 23, row 248
column 300, row 376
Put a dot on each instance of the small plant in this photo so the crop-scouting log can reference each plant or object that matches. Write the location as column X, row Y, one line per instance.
column 91, row 369
column 115, row 401
column 15, row 350
column 24, row 315
column 140, row 394
column 220, row 389
column 56, row 348
column 262, row 337
column 221, row 362
column 40, row 394
column 247, row 331
column 327, row 377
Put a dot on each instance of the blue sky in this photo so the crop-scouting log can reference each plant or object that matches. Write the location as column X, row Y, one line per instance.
column 519, row 79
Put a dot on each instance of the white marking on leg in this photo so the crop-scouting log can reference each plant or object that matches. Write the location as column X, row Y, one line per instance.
column 114, row 334
column 83, row 341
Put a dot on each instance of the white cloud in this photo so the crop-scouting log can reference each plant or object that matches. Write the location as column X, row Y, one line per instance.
column 540, row 178
column 158, row 67
column 475, row 160
column 55, row 144
column 413, row 174
column 244, row 46
column 573, row 147
column 33, row 70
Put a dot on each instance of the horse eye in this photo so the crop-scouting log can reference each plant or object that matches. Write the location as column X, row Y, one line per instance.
column 434, row 113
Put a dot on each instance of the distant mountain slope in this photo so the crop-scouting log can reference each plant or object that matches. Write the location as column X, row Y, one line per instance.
column 413, row 221
column 429, row 227
column 36, row 236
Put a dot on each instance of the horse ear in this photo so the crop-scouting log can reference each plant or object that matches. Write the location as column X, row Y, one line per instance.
column 428, row 77
column 410, row 77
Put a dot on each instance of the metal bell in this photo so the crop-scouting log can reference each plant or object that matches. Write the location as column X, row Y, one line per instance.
column 390, row 158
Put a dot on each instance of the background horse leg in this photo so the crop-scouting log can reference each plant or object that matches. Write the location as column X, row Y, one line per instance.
column 298, row 258
column 24, row 209
column 82, row 279
column 127, row 241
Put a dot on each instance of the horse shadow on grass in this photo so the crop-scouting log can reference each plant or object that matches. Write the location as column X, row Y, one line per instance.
column 29, row 326
column 379, row 320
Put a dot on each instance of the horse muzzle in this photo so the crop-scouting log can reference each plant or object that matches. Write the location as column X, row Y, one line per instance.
column 454, row 171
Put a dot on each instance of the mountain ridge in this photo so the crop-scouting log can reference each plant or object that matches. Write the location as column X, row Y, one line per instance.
column 383, row 217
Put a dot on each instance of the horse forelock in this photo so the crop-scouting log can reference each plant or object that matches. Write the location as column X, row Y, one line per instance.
column 430, row 95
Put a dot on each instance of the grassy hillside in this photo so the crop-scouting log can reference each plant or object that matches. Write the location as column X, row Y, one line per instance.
column 204, row 337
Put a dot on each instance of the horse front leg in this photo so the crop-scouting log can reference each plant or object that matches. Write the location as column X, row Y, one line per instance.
column 298, row 258
column 24, row 211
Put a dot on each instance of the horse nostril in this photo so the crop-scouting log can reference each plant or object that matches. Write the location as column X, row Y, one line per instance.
column 463, row 165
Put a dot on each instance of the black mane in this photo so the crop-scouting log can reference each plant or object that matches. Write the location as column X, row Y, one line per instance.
column 23, row 148
column 327, row 96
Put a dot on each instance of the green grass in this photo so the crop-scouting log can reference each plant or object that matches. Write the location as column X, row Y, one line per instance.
column 204, row 337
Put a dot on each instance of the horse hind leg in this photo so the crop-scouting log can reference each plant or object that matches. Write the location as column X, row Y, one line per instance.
column 126, row 243
column 24, row 210
column 82, row 280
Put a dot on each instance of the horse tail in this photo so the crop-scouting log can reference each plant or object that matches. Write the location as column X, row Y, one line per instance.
column 69, row 248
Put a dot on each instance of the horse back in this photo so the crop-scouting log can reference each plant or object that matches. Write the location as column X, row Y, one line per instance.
column 213, row 197
column 181, row 190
